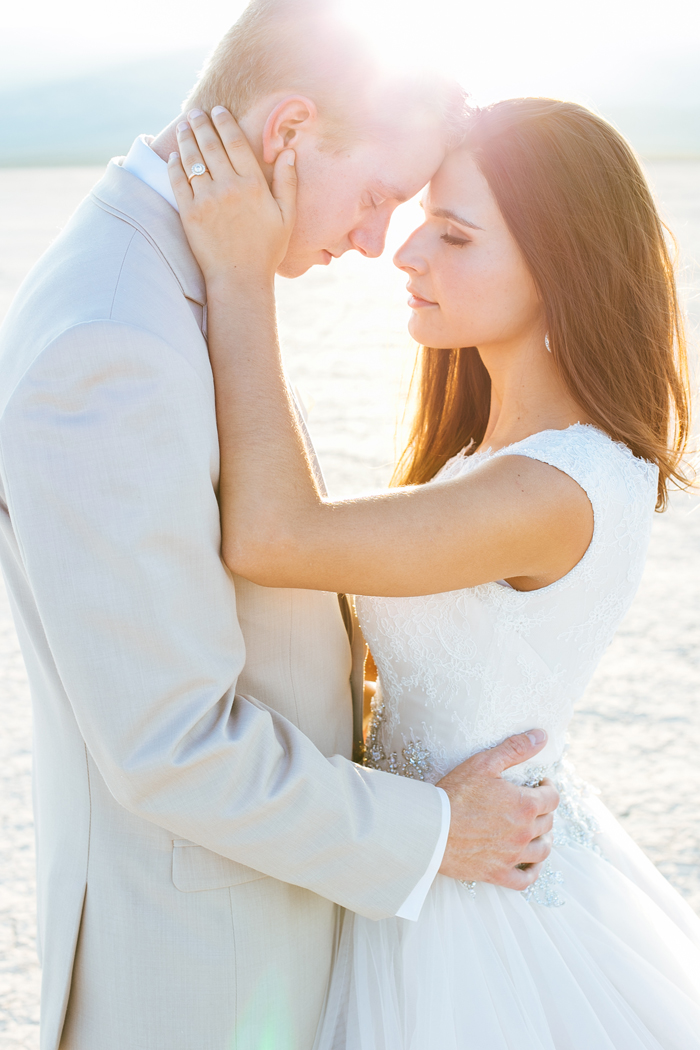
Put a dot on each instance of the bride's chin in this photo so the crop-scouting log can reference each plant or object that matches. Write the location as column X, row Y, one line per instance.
column 419, row 331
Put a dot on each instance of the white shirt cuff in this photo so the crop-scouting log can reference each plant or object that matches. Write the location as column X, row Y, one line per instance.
column 411, row 907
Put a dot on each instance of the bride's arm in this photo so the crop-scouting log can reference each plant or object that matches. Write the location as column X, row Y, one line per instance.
column 511, row 517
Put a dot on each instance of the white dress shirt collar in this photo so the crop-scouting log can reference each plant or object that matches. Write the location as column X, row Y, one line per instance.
column 146, row 165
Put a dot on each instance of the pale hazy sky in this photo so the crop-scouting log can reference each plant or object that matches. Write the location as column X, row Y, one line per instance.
column 499, row 47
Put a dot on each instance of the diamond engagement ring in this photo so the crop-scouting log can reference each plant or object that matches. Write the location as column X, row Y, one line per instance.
column 196, row 169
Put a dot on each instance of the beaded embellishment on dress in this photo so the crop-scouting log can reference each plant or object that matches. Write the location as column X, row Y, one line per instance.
column 413, row 760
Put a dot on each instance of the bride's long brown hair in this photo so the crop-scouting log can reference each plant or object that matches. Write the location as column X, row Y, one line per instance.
column 578, row 205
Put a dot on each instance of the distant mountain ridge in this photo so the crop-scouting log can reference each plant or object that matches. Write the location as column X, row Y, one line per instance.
column 658, row 131
column 97, row 116
column 93, row 117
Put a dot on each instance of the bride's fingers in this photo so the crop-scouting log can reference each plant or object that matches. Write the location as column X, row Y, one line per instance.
column 178, row 181
column 210, row 145
column 235, row 143
column 191, row 157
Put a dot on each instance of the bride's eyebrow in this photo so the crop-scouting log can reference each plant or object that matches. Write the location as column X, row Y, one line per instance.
column 447, row 213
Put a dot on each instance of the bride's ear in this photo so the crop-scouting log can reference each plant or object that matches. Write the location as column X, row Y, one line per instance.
column 291, row 118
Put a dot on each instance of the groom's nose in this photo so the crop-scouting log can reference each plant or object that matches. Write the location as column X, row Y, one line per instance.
column 369, row 238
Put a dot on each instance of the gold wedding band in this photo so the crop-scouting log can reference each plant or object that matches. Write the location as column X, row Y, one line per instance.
column 195, row 170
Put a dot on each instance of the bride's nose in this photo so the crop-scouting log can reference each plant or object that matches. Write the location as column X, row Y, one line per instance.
column 409, row 257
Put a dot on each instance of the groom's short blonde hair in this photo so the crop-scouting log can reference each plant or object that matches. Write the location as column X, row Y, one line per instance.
column 305, row 46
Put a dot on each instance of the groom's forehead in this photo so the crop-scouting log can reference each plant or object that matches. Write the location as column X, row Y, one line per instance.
column 399, row 173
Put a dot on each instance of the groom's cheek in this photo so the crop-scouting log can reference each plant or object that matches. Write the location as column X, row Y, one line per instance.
column 305, row 248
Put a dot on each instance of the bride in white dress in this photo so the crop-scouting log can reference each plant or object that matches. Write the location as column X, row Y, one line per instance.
column 500, row 568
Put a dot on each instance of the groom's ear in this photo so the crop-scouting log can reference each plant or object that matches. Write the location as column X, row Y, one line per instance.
column 291, row 118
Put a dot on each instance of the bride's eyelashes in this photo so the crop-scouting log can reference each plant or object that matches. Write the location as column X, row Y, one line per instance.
column 458, row 242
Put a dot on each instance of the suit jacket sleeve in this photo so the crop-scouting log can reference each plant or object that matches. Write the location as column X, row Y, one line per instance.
column 110, row 461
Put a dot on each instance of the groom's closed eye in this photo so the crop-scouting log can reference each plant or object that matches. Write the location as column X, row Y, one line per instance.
column 386, row 192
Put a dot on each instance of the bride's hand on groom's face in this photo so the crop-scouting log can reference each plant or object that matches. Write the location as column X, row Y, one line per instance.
column 238, row 228
column 499, row 832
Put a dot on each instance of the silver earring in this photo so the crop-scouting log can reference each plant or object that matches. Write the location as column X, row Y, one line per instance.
column 546, row 343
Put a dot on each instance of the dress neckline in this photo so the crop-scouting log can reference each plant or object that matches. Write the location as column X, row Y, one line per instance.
column 538, row 433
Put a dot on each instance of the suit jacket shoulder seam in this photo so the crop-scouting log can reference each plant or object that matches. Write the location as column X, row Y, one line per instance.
column 128, row 220
column 119, row 275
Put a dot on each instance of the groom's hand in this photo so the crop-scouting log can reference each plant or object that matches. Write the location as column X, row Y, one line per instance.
column 499, row 832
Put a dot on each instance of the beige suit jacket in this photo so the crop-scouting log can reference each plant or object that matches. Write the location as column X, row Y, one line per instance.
column 198, row 816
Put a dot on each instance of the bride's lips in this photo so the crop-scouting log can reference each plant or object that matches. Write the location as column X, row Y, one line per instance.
column 416, row 302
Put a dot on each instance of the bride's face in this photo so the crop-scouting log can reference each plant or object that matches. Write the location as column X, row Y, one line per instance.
column 468, row 281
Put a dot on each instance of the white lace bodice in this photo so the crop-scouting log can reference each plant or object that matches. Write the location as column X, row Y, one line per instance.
column 460, row 671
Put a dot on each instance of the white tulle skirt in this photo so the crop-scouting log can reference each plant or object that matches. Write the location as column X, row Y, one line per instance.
column 616, row 966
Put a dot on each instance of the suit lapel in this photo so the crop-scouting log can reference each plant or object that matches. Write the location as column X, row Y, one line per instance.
column 126, row 196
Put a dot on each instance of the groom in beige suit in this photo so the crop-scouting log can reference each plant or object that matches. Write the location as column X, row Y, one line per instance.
column 199, row 818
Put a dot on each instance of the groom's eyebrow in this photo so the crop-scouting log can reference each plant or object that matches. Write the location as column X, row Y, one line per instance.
column 391, row 193
column 447, row 213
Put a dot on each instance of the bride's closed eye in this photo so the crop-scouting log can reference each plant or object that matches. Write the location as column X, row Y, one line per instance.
column 458, row 242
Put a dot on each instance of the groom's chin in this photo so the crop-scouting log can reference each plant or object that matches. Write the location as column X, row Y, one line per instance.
column 295, row 265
